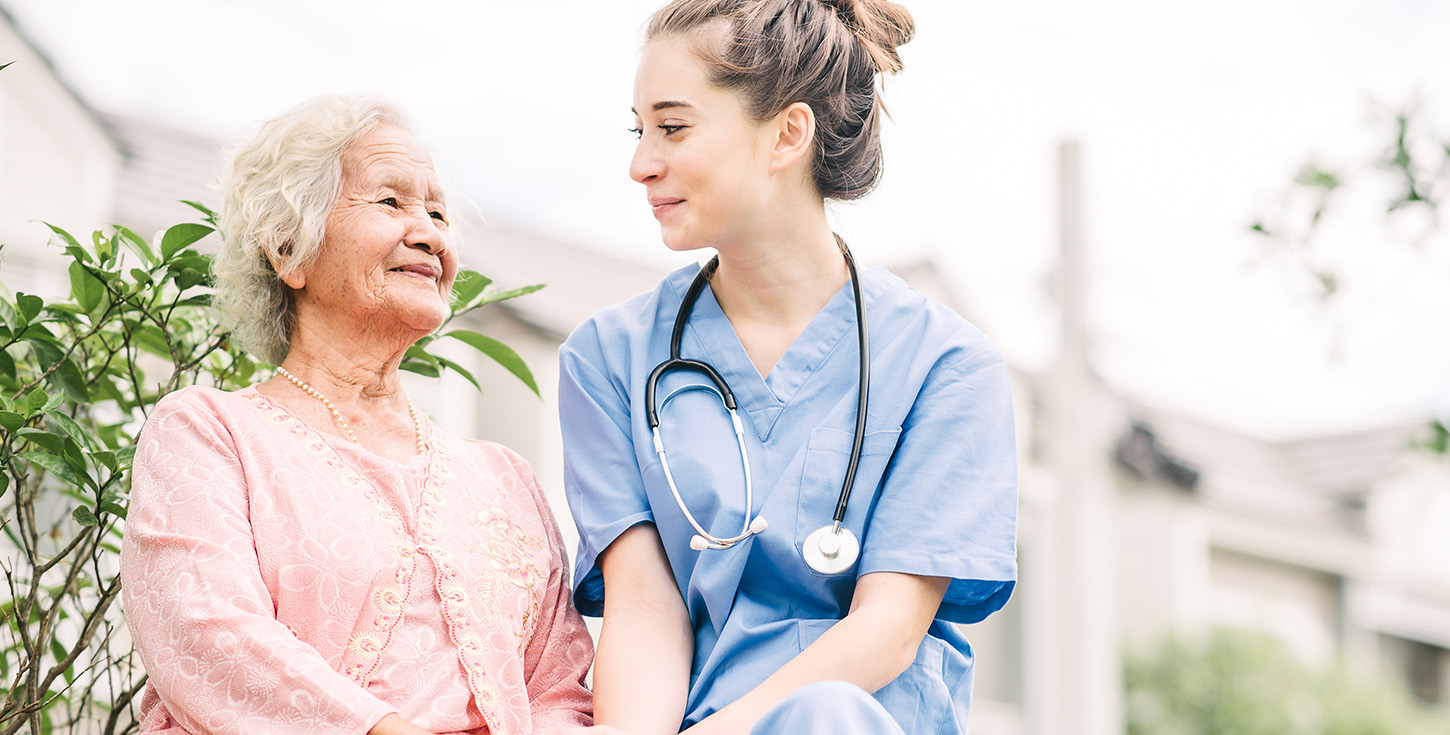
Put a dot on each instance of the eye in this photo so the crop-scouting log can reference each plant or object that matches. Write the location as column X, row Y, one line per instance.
column 438, row 216
column 638, row 132
column 671, row 129
column 390, row 201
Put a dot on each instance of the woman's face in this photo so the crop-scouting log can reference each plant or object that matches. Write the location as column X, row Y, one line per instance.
column 385, row 255
column 703, row 161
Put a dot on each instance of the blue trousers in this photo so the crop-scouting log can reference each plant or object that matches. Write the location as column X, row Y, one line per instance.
column 828, row 708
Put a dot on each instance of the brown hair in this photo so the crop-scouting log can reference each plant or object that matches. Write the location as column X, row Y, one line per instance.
column 825, row 53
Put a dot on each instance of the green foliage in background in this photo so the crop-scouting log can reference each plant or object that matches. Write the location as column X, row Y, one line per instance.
column 1239, row 683
column 77, row 377
column 1411, row 172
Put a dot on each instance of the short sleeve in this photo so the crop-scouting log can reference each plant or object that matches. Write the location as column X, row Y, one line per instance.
column 948, row 505
column 602, row 479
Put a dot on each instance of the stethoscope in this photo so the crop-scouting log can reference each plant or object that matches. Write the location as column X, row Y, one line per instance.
column 830, row 549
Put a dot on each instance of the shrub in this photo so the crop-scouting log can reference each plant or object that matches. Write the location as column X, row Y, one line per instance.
column 1248, row 684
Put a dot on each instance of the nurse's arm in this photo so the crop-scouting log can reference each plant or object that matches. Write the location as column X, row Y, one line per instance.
column 642, row 666
column 870, row 647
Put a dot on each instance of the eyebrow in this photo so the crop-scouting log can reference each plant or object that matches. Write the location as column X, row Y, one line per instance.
column 664, row 105
column 398, row 182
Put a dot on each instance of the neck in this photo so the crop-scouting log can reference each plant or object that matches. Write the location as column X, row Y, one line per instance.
column 784, row 278
column 349, row 376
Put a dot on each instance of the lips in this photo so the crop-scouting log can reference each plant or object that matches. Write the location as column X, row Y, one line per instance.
column 426, row 270
column 662, row 205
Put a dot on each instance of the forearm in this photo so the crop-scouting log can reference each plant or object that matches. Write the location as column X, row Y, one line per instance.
column 642, row 668
column 869, row 647
column 642, row 671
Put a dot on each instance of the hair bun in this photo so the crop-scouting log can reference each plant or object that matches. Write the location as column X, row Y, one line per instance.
column 881, row 25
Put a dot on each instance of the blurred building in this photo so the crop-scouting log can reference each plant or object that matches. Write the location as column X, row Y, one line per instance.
column 1136, row 523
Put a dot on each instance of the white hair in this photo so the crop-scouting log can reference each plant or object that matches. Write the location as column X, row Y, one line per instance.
column 278, row 188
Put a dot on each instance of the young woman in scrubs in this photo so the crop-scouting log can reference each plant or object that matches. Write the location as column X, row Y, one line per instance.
column 750, row 114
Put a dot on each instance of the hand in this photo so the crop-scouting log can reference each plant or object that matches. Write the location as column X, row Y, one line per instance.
column 395, row 725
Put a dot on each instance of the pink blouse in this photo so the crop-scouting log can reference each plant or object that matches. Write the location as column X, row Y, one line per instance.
column 277, row 579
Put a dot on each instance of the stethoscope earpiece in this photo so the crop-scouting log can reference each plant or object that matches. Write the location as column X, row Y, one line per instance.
column 830, row 549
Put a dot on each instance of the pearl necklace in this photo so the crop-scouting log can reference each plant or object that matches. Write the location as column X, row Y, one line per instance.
column 337, row 415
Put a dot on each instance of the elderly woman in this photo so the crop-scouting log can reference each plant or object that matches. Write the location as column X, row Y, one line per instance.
column 311, row 554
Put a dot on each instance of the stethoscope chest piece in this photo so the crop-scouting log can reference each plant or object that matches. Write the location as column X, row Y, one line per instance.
column 831, row 549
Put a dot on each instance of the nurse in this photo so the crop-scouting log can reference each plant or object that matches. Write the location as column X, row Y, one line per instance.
column 750, row 115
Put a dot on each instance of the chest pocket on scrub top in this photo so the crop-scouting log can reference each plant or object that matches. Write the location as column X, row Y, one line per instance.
column 827, row 455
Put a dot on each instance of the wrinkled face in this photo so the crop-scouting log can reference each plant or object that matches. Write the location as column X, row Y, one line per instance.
column 386, row 255
column 700, row 156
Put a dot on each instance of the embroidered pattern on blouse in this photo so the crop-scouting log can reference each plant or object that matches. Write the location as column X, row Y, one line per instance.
column 512, row 554
column 364, row 650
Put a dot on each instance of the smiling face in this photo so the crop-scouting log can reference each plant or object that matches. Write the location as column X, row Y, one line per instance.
column 703, row 161
column 386, row 259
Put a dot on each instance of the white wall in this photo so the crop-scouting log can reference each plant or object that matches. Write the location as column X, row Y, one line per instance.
column 57, row 164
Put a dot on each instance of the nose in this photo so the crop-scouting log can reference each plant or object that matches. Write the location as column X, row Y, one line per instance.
column 427, row 233
column 645, row 166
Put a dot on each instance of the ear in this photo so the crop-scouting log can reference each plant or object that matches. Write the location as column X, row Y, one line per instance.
column 295, row 279
column 794, row 131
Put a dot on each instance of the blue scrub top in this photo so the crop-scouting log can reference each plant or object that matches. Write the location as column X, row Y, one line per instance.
column 935, row 493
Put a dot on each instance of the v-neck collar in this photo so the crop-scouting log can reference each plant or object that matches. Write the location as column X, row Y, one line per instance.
column 763, row 399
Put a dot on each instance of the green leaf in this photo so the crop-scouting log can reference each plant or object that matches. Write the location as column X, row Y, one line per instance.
column 7, row 365
column 137, row 245
column 36, row 400
column 114, row 508
column 182, row 235
column 70, row 427
column 420, row 367
column 73, row 456
column 66, row 236
column 417, row 360
column 46, row 353
column 206, row 212
column 500, row 352
column 455, row 367
column 11, row 421
column 84, row 287
column 468, row 286
column 509, row 294
column 126, row 454
column 68, row 378
column 84, row 516
column 418, row 353
column 77, row 252
column 151, row 339
column 56, row 465
column 50, row 441
column 29, row 306
column 8, row 63
column 105, row 459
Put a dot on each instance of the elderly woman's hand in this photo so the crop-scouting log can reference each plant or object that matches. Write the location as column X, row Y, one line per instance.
column 395, row 725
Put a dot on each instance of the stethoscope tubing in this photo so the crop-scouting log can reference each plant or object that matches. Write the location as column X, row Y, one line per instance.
column 675, row 362
column 862, row 391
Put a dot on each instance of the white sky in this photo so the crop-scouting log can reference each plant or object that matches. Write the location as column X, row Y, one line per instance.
column 1193, row 118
